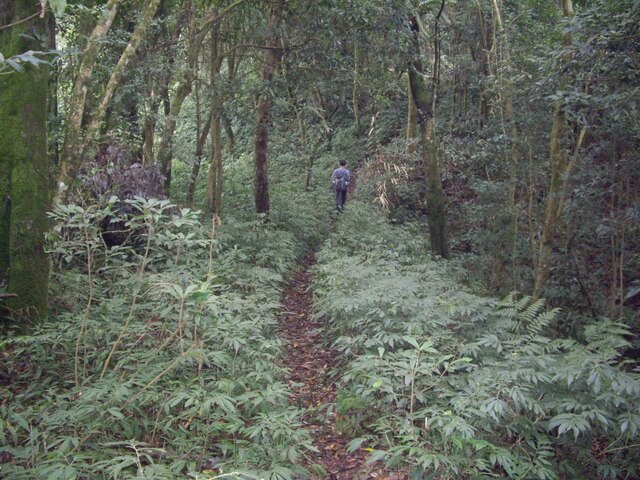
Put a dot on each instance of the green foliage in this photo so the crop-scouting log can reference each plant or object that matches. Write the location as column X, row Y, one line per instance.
column 17, row 63
column 162, row 360
column 459, row 386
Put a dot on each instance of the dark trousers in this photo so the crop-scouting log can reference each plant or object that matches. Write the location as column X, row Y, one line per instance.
column 341, row 198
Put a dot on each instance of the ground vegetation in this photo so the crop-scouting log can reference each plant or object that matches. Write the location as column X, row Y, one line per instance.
column 172, row 266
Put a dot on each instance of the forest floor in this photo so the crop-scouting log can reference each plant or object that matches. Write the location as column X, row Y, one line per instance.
column 310, row 361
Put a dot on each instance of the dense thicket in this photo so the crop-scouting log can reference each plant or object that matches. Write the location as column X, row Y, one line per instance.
column 501, row 134
column 456, row 385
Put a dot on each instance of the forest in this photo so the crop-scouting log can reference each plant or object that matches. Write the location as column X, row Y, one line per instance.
column 181, row 298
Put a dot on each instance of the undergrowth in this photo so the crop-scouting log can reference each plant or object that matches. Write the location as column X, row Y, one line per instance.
column 162, row 358
column 455, row 385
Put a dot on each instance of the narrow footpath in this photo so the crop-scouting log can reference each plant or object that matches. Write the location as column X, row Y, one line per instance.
column 310, row 362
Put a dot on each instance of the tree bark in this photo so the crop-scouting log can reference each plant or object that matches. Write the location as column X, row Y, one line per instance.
column 202, row 140
column 560, row 169
column 355, row 95
column 486, row 47
column 509, row 128
column 412, row 121
column 213, row 198
column 72, row 147
column 24, row 167
column 159, row 87
column 116, row 76
column 184, row 89
column 295, row 104
column 424, row 97
column 261, row 143
column 201, row 137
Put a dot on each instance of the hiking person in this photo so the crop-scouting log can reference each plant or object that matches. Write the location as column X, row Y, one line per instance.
column 340, row 180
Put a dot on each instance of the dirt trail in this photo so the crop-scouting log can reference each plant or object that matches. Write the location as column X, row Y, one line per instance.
column 310, row 361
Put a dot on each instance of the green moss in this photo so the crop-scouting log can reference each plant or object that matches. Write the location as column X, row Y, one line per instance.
column 24, row 173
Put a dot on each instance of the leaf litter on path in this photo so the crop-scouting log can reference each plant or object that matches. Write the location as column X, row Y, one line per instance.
column 309, row 361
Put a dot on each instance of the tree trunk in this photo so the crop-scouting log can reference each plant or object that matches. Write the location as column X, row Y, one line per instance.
column 24, row 166
column 323, row 115
column 116, row 76
column 157, row 88
column 355, row 96
column 148, row 135
column 213, row 198
column 424, row 98
column 295, row 104
column 412, row 121
column 560, row 169
column 233, row 64
column 485, row 47
column 228, row 130
column 201, row 138
column 261, row 143
column 184, row 89
column 166, row 143
column 73, row 144
column 509, row 128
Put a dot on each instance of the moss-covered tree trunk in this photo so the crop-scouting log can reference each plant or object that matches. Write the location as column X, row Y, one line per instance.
column 424, row 98
column 137, row 37
column 560, row 169
column 261, row 143
column 484, row 53
column 24, row 166
column 72, row 147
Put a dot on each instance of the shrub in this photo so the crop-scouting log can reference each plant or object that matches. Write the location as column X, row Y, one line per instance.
column 460, row 386
column 167, row 363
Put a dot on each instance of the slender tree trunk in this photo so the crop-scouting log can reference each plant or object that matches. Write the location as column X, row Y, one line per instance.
column 310, row 162
column 202, row 133
column 24, row 166
column 355, row 96
column 228, row 130
column 184, row 88
column 165, row 149
column 412, row 121
column 233, row 63
column 509, row 128
column 486, row 46
column 302, row 128
column 195, row 170
column 148, row 135
column 137, row 37
column 321, row 109
column 560, row 168
column 261, row 143
column 213, row 199
column 73, row 144
column 214, row 179
column 424, row 98
column 293, row 99
column 158, row 88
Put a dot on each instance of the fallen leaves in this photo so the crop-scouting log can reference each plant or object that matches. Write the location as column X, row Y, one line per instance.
column 309, row 362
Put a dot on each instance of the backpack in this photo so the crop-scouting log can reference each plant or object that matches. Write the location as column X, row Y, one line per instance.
column 340, row 181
